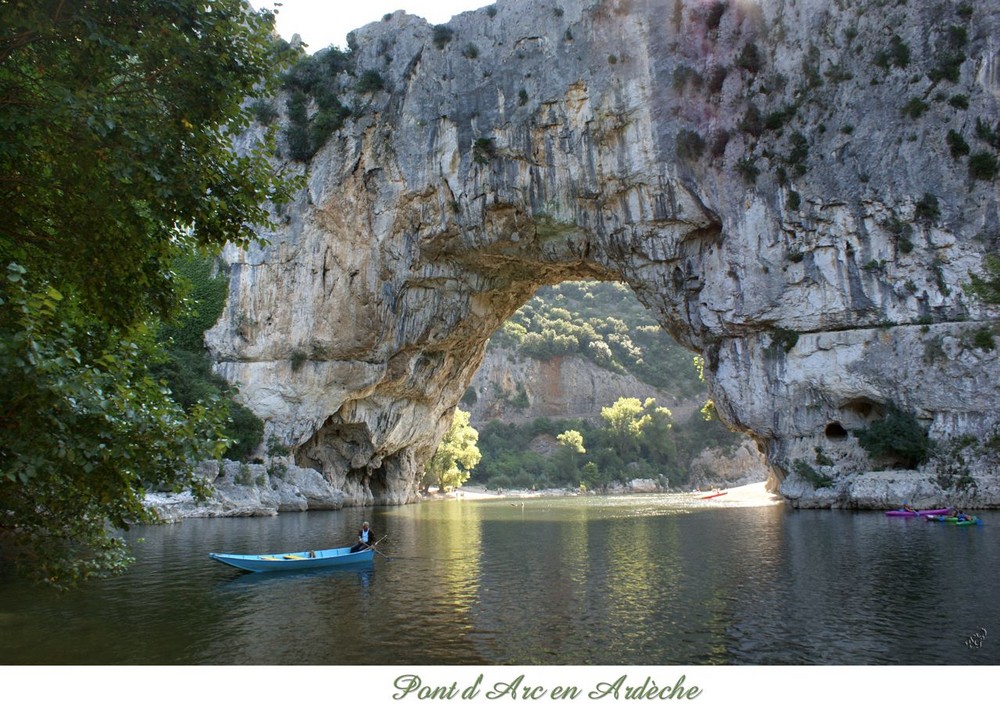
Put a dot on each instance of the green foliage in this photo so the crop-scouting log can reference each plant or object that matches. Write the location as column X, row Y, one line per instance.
column 987, row 286
column 984, row 166
column 627, row 418
column 810, row 68
column 84, row 431
column 483, row 151
column 186, row 367
column 901, row 230
column 983, row 339
column 471, row 51
column 950, row 59
column 960, row 101
column 808, row 472
column 369, row 82
column 898, row 54
column 604, row 323
column 752, row 122
column 456, row 456
column 957, row 145
column 118, row 138
column 897, row 438
column 749, row 58
column 927, row 208
column 988, row 134
column 684, row 74
column 798, row 154
column 319, row 79
column 914, row 108
column 297, row 359
column 441, row 35
column 572, row 441
column 784, row 339
column 264, row 112
column 713, row 17
column 203, row 295
column 690, row 145
column 635, row 441
column 822, row 458
column 116, row 161
column 948, row 67
column 747, row 168
column 776, row 120
column 276, row 448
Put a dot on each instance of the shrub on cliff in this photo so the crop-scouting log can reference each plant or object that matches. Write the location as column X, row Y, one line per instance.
column 986, row 287
column 898, row 438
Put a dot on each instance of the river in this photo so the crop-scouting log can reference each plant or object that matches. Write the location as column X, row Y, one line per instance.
column 625, row 580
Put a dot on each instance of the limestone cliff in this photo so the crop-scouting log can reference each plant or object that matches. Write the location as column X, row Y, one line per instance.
column 518, row 389
column 797, row 189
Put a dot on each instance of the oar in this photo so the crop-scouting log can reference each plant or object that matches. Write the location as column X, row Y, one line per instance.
column 372, row 547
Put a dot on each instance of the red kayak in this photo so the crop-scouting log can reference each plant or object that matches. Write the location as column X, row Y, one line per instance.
column 916, row 513
column 714, row 494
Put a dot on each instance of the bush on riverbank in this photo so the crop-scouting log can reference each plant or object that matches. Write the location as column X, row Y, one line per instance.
column 646, row 444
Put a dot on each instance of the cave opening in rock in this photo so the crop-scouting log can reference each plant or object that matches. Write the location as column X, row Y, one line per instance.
column 835, row 432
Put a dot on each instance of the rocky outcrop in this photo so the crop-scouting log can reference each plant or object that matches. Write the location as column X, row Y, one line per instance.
column 250, row 490
column 717, row 467
column 797, row 190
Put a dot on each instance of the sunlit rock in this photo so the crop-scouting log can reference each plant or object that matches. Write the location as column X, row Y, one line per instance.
column 773, row 179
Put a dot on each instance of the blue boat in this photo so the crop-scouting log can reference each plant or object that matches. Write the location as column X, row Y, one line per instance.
column 296, row 560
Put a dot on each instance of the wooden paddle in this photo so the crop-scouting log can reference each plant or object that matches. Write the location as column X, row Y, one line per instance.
column 372, row 547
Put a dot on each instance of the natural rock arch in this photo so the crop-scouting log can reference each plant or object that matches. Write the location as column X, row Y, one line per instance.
column 743, row 167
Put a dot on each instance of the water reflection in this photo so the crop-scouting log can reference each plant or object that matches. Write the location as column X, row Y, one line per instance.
column 641, row 580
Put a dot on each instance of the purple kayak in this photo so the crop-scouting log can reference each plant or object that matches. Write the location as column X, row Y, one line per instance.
column 916, row 513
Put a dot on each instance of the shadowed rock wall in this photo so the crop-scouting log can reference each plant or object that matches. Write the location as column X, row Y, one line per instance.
column 774, row 180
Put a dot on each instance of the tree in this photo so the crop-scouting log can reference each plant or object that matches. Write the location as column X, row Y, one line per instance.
column 626, row 418
column 117, row 125
column 657, row 440
column 570, row 450
column 116, row 128
column 457, row 454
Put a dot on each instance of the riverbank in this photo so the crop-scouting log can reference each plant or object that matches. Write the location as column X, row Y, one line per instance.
column 752, row 495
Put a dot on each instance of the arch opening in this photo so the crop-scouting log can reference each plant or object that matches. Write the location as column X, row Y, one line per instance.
column 576, row 349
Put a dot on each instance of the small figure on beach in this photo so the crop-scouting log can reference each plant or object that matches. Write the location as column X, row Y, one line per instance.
column 365, row 537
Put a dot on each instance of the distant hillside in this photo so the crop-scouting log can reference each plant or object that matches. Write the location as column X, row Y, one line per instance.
column 571, row 351
column 604, row 323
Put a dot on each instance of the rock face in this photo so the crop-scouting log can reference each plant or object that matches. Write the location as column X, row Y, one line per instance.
column 798, row 191
column 520, row 389
column 250, row 490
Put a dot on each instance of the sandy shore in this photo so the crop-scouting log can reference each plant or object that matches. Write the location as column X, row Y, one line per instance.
column 754, row 494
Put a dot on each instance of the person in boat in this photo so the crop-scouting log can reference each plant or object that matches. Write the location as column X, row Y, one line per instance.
column 366, row 537
column 907, row 507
